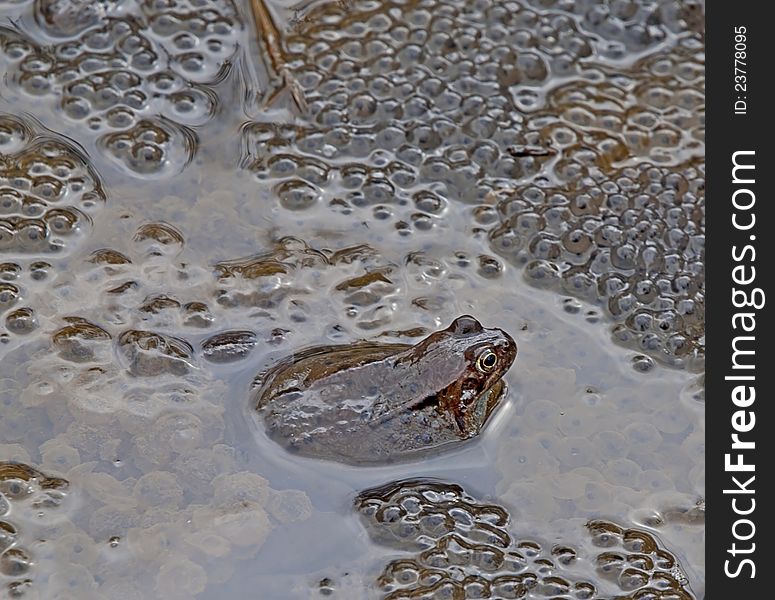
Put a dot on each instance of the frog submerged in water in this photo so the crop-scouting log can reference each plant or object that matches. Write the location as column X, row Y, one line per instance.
column 370, row 402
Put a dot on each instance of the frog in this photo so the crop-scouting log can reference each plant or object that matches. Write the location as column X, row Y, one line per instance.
column 370, row 402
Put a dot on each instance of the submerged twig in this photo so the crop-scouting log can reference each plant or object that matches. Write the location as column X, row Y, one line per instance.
column 273, row 40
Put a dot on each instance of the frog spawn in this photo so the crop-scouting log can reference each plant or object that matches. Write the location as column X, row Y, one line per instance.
column 18, row 320
column 138, row 282
column 102, row 380
column 446, row 115
column 630, row 237
column 149, row 520
column 653, row 111
column 286, row 276
column 28, row 498
column 170, row 537
column 396, row 141
column 633, row 240
column 48, row 190
column 137, row 401
column 459, row 547
column 628, row 28
column 133, row 74
column 367, row 290
column 282, row 277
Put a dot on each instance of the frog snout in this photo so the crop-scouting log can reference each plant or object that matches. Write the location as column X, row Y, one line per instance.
column 506, row 343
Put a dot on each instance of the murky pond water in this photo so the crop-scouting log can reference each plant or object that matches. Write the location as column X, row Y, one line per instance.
column 191, row 191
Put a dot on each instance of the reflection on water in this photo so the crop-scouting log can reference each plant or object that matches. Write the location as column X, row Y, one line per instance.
column 539, row 165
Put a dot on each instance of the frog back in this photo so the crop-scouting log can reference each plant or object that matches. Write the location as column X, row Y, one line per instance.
column 307, row 367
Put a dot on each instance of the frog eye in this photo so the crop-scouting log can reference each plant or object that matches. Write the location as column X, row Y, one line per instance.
column 486, row 361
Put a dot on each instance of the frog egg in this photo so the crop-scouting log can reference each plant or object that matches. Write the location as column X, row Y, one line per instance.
column 578, row 421
column 16, row 418
column 102, row 487
column 142, row 404
column 541, row 415
column 110, row 521
column 568, row 485
column 289, row 505
column 535, row 500
column 15, row 453
column 155, row 542
column 622, row 471
column 180, row 578
column 127, row 589
column 694, row 447
column 77, row 548
column 56, row 454
column 158, row 515
column 209, row 543
column 610, row 444
column 39, row 392
column 197, row 469
column 575, row 452
column 523, row 456
column 180, row 432
column 15, row 562
column 642, row 438
column 53, row 531
column 647, row 518
column 663, row 505
column 628, row 402
column 23, row 588
column 94, row 442
column 244, row 524
column 673, row 419
column 642, row 363
column 93, row 408
column 239, row 487
column 158, row 488
column 653, row 480
column 147, row 453
column 596, row 494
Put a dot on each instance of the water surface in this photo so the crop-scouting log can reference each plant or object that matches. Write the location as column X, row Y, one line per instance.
column 539, row 165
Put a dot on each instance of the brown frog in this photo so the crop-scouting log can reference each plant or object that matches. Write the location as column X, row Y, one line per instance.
column 369, row 402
